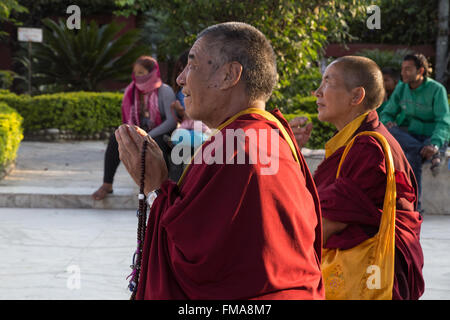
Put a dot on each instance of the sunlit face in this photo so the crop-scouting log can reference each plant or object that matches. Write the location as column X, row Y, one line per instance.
column 410, row 73
column 200, row 83
column 333, row 98
column 139, row 70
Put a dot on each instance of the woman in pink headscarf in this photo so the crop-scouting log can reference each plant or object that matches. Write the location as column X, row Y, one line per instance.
column 146, row 103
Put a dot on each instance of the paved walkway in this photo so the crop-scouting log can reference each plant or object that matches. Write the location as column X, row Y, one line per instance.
column 84, row 253
column 63, row 175
column 43, row 249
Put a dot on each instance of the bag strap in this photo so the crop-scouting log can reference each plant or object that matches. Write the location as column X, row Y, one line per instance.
column 387, row 224
column 267, row 115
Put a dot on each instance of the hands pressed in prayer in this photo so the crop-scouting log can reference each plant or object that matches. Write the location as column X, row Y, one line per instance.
column 301, row 129
column 131, row 140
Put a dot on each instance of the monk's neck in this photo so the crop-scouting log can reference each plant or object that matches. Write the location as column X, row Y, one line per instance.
column 259, row 104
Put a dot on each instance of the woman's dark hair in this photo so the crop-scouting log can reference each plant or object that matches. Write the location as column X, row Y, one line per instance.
column 420, row 62
column 147, row 62
column 180, row 64
column 393, row 73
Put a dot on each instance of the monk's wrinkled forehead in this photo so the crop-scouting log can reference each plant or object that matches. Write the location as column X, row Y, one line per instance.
column 200, row 51
column 334, row 73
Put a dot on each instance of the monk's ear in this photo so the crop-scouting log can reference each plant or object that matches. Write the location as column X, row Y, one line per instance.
column 358, row 95
column 232, row 73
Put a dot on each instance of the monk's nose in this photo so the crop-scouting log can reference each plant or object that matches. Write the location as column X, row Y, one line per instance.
column 181, row 79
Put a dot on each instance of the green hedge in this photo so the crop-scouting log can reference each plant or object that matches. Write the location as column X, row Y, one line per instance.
column 10, row 135
column 321, row 132
column 79, row 112
column 305, row 104
column 306, row 107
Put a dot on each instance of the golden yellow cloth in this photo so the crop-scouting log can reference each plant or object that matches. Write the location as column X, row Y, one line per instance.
column 343, row 137
column 366, row 271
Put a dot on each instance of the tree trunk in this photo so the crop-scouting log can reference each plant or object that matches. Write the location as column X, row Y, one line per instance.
column 442, row 42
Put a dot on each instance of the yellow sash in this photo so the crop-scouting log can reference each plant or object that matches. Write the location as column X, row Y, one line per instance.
column 365, row 272
column 267, row 115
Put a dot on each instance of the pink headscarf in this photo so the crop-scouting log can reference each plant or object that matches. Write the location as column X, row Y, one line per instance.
column 147, row 85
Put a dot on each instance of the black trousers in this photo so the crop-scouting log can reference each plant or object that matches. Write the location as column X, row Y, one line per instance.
column 112, row 160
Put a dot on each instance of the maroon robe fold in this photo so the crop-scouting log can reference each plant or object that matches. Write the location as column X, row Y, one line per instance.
column 356, row 198
column 231, row 233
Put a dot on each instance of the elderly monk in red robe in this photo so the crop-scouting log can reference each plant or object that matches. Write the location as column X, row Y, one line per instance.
column 226, row 230
column 350, row 92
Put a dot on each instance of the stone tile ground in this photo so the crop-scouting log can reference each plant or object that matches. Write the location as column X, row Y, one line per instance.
column 38, row 248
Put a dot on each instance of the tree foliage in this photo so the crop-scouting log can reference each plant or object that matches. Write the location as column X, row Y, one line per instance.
column 9, row 6
column 7, row 9
column 406, row 22
column 297, row 29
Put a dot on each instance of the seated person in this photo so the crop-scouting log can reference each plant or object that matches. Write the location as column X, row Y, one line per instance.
column 352, row 204
column 197, row 130
column 390, row 78
column 417, row 115
column 146, row 103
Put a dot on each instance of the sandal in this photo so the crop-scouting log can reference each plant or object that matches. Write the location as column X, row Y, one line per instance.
column 101, row 193
column 435, row 164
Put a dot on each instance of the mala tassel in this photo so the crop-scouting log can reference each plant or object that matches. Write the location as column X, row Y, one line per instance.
column 142, row 217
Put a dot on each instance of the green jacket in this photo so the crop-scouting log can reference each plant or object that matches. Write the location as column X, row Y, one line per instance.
column 381, row 108
column 423, row 110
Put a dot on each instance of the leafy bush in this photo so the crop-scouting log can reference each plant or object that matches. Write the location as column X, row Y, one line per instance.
column 321, row 132
column 397, row 18
column 297, row 95
column 79, row 112
column 10, row 135
column 6, row 78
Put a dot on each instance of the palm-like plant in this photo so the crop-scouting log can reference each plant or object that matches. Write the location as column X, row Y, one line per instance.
column 81, row 59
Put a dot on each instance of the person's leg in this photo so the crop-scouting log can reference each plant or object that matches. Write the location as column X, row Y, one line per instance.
column 409, row 143
column 411, row 147
column 111, row 162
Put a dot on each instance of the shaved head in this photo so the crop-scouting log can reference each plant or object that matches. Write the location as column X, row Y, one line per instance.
column 363, row 72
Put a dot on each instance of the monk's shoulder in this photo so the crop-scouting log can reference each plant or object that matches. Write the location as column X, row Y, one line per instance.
column 366, row 149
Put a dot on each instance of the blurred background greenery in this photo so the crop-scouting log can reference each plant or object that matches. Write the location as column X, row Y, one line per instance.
column 300, row 30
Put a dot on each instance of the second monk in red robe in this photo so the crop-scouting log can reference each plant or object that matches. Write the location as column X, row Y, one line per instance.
column 350, row 92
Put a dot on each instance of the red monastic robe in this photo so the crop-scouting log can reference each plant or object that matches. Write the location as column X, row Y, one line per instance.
column 231, row 233
column 356, row 198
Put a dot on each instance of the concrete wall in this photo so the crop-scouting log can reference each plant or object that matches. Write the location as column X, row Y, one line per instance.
column 436, row 190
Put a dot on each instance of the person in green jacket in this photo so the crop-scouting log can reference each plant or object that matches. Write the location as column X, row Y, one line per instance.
column 417, row 115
